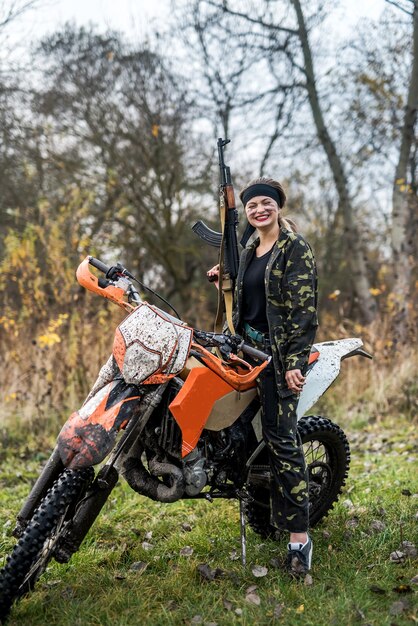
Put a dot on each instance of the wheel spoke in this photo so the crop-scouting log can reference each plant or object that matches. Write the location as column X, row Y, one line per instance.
column 44, row 555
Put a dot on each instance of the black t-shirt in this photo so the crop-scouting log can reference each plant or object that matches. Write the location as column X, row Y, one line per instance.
column 254, row 306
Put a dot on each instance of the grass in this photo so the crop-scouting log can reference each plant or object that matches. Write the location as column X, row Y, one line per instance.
column 353, row 579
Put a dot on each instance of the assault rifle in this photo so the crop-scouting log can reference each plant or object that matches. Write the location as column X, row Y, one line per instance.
column 229, row 235
column 226, row 240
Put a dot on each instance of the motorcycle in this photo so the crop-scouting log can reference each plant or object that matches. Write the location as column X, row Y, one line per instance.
column 174, row 411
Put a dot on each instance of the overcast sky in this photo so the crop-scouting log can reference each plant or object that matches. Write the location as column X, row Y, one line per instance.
column 136, row 16
column 129, row 15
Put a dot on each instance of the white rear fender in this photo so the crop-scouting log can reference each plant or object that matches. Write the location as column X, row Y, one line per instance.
column 324, row 370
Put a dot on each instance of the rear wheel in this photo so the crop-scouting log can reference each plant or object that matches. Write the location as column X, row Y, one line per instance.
column 35, row 548
column 327, row 455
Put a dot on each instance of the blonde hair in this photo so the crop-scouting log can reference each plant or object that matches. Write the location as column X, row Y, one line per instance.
column 287, row 223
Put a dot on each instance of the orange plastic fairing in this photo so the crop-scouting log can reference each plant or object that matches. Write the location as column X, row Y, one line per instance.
column 240, row 378
column 85, row 441
column 193, row 404
column 89, row 281
column 203, row 387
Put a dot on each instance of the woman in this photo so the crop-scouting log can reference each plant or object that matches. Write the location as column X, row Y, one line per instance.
column 275, row 309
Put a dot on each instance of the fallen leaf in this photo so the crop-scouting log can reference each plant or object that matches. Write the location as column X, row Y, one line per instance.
column 402, row 589
column 259, row 571
column 352, row 523
column 398, row 607
column 228, row 605
column 253, row 598
column 148, row 535
column 277, row 563
column 197, row 619
column 238, row 611
column 326, row 534
column 377, row 526
column 409, row 548
column 278, row 610
column 348, row 504
column 406, row 492
column 397, row 556
column 251, row 588
column 376, row 589
column 233, row 555
column 300, row 608
column 308, row 580
column 414, row 580
column 120, row 576
column 207, row 573
column 186, row 551
column 147, row 546
column 186, row 527
column 139, row 566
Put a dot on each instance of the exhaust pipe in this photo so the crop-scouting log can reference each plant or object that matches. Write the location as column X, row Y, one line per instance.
column 147, row 482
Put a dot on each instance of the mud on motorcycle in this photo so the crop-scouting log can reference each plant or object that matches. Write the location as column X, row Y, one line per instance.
column 176, row 420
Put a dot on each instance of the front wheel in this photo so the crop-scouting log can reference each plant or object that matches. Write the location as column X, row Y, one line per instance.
column 35, row 548
column 327, row 455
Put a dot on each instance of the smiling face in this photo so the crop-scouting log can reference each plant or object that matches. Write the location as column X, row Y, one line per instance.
column 262, row 212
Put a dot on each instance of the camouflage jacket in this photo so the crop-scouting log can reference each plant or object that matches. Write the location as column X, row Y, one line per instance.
column 291, row 296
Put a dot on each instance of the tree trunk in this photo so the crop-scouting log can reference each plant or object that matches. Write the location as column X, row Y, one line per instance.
column 356, row 258
column 404, row 201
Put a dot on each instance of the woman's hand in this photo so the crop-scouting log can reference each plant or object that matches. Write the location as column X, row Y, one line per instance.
column 213, row 275
column 295, row 380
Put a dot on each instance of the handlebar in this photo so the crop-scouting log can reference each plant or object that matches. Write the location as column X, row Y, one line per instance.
column 98, row 265
column 256, row 354
column 228, row 344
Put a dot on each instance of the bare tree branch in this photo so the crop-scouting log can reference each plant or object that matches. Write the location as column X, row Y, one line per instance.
column 14, row 9
column 252, row 20
column 401, row 8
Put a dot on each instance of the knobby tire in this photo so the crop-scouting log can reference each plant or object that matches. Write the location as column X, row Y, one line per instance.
column 35, row 548
column 327, row 455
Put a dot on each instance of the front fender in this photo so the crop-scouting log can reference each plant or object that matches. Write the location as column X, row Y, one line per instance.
column 90, row 433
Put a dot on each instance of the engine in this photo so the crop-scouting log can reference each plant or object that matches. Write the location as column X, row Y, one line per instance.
column 155, row 468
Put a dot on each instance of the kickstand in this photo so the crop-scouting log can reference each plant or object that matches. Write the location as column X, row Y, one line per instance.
column 243, row 533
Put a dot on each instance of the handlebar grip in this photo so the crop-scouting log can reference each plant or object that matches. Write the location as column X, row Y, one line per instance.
column 98, row 265
column 257, row 354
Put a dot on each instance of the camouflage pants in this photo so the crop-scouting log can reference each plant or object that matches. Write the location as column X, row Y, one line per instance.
column 289, row 479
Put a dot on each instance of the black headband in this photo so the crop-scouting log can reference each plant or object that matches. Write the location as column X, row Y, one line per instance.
column 261, row 189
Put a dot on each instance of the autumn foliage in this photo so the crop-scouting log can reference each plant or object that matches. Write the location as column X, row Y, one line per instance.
column 108, row 150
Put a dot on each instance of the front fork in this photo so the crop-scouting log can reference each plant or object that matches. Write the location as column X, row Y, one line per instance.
column 106, row 479
column 49, row 475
